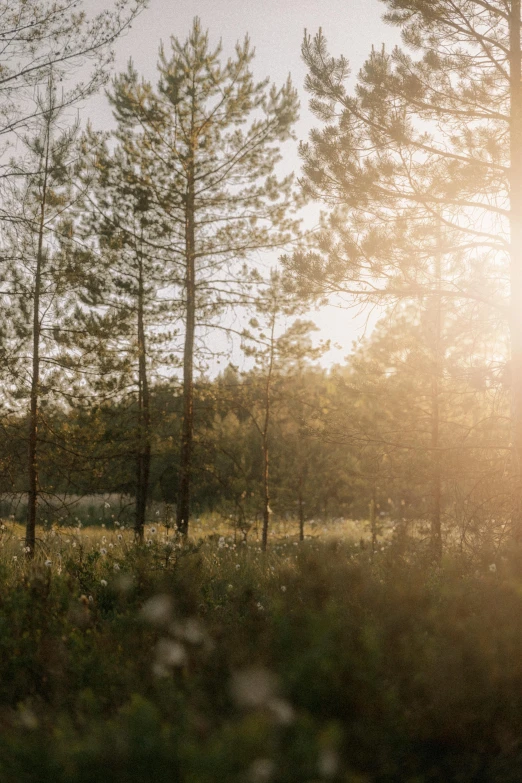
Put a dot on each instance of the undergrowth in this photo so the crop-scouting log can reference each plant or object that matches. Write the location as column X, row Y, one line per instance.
column 214, row 662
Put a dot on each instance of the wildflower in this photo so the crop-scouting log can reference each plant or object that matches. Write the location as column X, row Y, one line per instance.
column 158, row 610
column 103, row 582
column 116, row 567
column 261, row 771
column 107, row 505
column 169, row 655
column 48, row 563
column 221, row 542
column 120, row 537
column 153, row 531
column 111, row 545
column 493, row 568
column 260, row 606
column 192, row 631
column 230, row 587
column 283, row 588
column 91, row 599
column 27, row 718
column 103, row 551
column 15, row 558
column 328, row 763
column 237, row 566
column 27, row 549
column 149, row 542
column 253, row 688
column 282, row 711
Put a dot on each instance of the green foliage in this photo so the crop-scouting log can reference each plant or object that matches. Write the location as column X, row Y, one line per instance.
column 312, row 663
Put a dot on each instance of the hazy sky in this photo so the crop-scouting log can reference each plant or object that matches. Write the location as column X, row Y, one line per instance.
column 276, row 30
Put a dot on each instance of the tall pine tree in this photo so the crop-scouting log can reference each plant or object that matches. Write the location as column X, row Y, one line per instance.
column 206, row 144
column 432, row 132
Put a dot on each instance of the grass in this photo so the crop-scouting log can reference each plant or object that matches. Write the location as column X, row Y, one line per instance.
column 213, row 662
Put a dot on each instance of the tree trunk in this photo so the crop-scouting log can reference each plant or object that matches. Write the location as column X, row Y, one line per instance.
column 183, row 505
column 301, row 507
column 143, row 457
column 266, row 494
column 515, row 319
column 32, row 495
column 266, row 459
column 373, row 521
column 436, row 489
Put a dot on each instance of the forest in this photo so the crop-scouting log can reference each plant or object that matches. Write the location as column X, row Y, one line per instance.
column 224, row 557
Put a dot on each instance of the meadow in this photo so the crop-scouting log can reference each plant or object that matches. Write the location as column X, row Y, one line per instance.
column 212, row 661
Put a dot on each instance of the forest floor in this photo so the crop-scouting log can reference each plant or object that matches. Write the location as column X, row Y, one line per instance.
column 215, row 663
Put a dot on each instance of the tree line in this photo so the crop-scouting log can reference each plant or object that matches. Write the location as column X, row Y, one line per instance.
column 122, row 252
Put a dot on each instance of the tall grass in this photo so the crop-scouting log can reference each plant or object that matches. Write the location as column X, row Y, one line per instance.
column 214, row 662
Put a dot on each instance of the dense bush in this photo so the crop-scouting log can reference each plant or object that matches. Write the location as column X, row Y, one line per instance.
column 218, row 664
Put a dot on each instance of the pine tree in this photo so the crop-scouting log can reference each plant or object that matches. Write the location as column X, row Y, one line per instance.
column 43, row 36
column 275, row 354
column 42, row 282
column 207, row 143
column 132, row 304
column 431, row 132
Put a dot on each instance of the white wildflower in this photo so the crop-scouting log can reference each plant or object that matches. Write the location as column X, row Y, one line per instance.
column 261, row 771
column 253, row 688
column 328, row 764
column 158, row 610
column 169, row 654
column 282, row 711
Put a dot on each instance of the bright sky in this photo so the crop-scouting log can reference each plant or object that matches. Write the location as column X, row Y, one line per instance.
column 276, row 31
